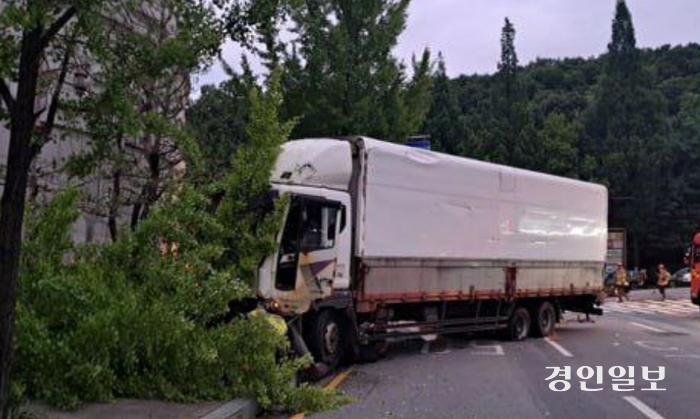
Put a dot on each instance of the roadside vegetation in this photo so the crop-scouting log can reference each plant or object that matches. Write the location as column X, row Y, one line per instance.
column 142, row 316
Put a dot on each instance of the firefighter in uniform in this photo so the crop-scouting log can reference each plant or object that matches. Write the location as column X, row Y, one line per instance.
column 664, row 279
column 621, row 283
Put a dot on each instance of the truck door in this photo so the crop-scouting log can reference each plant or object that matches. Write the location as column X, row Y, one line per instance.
column 308, row 252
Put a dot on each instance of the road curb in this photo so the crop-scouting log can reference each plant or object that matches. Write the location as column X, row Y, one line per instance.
column 235, row 409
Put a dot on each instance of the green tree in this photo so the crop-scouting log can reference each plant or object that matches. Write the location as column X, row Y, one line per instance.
column 557, row 146
column 677, row 218
column 626, row 122
column 45, row 45
column 134, row 116
column 339, row 74
column 508, row 66
column 411, row 102
column 31, row 33
column 256, row 25
column 217, row 119
column 144, row 316
column 444, row 123
column 247, row 239
column 507, row 141
column 346, row 81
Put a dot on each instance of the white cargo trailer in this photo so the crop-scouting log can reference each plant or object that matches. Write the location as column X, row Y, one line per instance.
column 380, row 237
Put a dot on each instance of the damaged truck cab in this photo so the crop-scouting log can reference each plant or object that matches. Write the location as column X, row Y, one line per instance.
column 314, row 252
column 381, row 240
column 313, row 256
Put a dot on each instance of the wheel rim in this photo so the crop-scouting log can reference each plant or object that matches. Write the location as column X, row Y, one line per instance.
column 520, row 326
column 546, row 321
column 331, row 338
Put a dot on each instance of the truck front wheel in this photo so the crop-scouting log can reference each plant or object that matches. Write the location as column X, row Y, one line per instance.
column 545, row 320
column 519, row 324
column 325, row 338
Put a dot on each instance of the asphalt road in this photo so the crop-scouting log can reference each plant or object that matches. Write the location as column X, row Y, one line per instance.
column 482, row 377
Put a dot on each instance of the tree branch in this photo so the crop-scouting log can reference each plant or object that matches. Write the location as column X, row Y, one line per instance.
column 129, row 144
column 57, row 25
column 6, row 95
column 55, row 97
column 37, row 114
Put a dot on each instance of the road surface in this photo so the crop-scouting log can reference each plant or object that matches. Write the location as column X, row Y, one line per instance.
column 482, row 377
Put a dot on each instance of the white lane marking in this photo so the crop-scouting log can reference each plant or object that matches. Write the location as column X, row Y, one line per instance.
column 614, row 307
column 694, row 356
column 559, row 348
column 617, row 309
column 646, row 410
column 644, row 326
column 661, row 306
column 486, row 349
column 669, row 307
column 664, row 307
column 654, row 346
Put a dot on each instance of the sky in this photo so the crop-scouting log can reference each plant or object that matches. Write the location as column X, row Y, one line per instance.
column 467, row 32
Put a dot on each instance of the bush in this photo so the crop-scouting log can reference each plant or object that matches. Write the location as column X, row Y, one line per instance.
column 139, row 317
column 124, row 320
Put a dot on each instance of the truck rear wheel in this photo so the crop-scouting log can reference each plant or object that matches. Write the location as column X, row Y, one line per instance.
column 520, row 322
column 326, row 338
column 545, row 320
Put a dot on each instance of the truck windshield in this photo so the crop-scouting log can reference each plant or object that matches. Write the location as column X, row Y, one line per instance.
column 310, row 226
column 318, row 227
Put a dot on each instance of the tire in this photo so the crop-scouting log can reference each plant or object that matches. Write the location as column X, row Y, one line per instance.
column 519, row 327
column 326, row 338
column 545, row 320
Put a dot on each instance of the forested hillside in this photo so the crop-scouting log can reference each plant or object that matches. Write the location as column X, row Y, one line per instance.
column 653, row 179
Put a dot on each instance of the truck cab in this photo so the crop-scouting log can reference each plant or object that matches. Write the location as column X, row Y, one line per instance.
column 307, row 279
column 313, row 253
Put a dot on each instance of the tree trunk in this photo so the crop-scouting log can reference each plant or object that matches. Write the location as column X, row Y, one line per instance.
column 114, row 204
column 19, row 159
column 115, row 200
column 136, row 212
column 151, row 187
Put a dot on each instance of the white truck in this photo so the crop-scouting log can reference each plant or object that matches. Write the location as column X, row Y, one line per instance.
column 381, row 238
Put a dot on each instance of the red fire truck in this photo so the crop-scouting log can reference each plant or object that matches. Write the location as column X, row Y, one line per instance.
column 695, row 270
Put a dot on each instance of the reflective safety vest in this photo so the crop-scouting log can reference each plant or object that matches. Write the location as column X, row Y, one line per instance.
column 278, row 324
